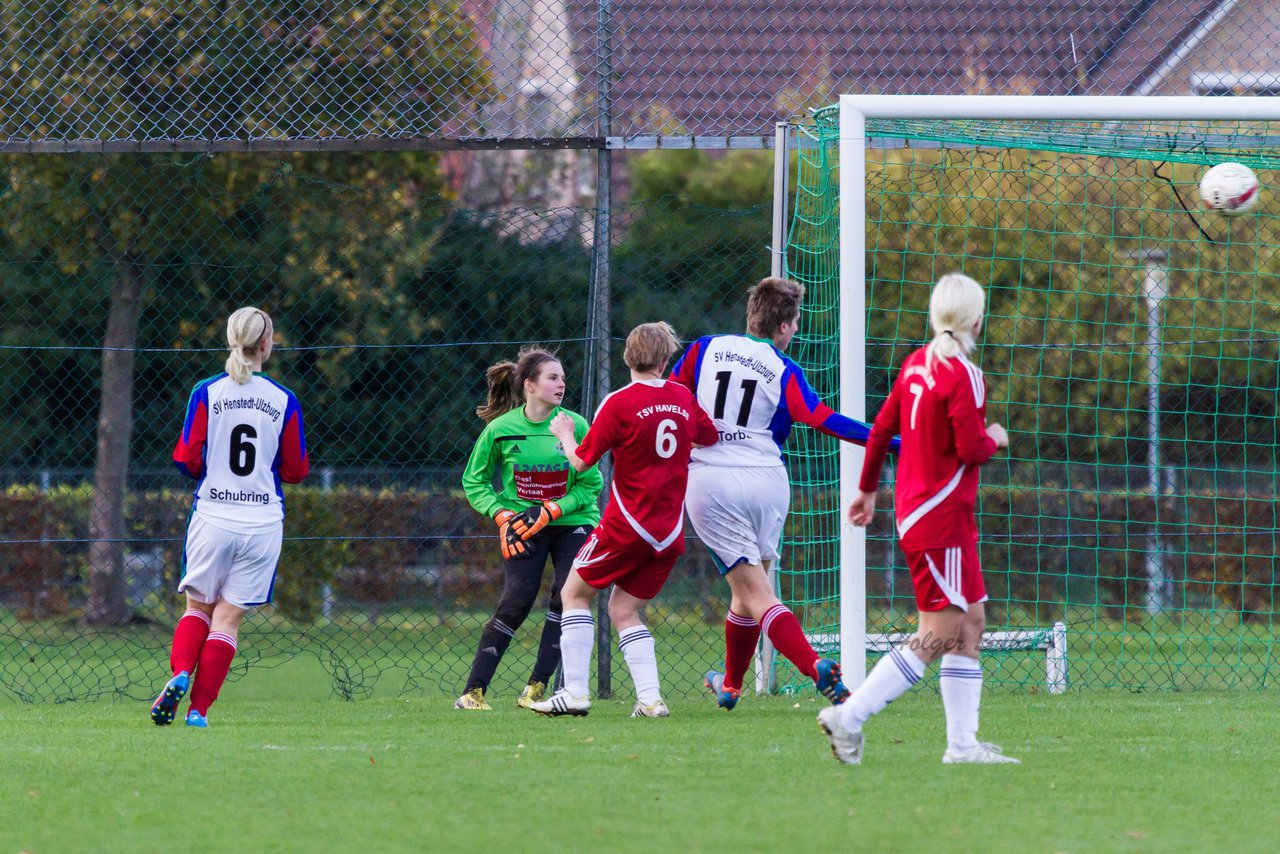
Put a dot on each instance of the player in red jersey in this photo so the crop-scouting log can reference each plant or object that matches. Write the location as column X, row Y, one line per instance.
column 651, row 426
column 938, row 405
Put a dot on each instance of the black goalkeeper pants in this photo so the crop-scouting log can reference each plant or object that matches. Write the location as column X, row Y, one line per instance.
column 521, row 581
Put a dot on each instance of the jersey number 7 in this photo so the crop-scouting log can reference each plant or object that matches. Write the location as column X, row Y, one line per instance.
column 917, row 391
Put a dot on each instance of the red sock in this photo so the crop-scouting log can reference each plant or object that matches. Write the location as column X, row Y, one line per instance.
column 741, row 634
column 788, row 638
column 215, row 664
column 188, row 640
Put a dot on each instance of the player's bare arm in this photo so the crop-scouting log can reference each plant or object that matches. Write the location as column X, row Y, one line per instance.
column 998, row 435
column 562, row 428
column 862, row 508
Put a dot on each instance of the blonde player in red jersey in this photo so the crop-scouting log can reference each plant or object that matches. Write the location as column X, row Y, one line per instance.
column 938, row 405
column 651, row 426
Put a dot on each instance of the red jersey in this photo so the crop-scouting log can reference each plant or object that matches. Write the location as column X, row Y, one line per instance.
column 941, row 416
column 651, row 428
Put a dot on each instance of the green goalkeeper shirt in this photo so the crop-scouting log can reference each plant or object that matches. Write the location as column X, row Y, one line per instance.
column 533, row 469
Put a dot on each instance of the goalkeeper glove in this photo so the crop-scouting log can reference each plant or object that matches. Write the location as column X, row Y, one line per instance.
column 535, row 518
column 513, row 548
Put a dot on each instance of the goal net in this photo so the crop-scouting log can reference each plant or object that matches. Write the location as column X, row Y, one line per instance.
column 1130, row 348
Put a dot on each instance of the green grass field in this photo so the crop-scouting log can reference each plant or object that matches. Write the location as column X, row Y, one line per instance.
column 285, row 767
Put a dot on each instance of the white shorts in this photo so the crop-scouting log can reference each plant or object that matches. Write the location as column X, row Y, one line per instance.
column 738, row 513
column 237, row 567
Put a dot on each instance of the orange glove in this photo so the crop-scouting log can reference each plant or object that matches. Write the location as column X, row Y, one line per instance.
column 535, row 518
column 513, row 548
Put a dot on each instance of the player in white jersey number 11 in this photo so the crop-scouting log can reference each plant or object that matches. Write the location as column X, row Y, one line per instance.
column 739, row 492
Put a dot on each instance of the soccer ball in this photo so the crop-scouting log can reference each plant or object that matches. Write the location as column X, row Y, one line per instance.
column 1229, row 188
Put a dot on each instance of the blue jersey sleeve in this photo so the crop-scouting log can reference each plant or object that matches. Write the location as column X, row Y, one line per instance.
column 803, row 405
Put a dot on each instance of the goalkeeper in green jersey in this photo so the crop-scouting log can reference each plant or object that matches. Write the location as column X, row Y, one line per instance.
column 543, row 508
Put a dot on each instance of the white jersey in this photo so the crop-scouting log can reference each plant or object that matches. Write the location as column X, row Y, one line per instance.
column 754, row 394
column 240, row 442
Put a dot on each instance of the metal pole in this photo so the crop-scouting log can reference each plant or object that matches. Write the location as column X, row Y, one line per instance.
column 1155, row 277
column 602, row 298
column 778, row 262
column 766, row 681
column 1154, row 287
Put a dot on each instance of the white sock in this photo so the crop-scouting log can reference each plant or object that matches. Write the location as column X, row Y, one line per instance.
column 888, row 680
column 961, row 682
column 577, row 639
column 642, row 660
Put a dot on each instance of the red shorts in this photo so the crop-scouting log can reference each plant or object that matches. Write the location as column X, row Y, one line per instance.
column 947, row 576
column 634, row 567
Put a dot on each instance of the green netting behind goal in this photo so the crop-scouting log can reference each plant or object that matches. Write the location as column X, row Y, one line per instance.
column 1130, row 349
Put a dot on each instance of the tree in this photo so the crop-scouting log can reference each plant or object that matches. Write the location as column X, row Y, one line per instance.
column 697, row 238
column 208, row 70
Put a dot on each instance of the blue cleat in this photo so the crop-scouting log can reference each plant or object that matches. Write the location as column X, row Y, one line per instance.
column 196, row 719
column 166, row 705
column 828, row 682
column 725, row 698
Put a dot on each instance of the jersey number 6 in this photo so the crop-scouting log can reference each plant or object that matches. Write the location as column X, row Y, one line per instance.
column 243, row 452
column 666, row 442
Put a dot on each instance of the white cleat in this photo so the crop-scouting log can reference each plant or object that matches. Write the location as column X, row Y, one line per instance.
column 651, row 710
column 846, row 744
column 562, row 703
column 982, row 753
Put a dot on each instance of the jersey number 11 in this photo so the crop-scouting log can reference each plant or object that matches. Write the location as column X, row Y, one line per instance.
column 722, row 395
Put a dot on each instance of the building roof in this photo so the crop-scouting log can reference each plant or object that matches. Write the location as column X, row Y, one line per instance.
column 730, row 67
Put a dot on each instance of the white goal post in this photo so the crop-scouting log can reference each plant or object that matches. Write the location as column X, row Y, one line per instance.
column 854, row 641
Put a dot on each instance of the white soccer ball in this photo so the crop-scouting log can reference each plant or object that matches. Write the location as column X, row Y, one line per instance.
column 1229, row 188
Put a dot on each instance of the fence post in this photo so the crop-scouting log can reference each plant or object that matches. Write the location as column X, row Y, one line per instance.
column 599, row 320
column 766, row 681
column 326, row 591
column 1154, row 287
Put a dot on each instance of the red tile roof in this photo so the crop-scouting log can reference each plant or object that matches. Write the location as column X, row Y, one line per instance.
column 724, row 67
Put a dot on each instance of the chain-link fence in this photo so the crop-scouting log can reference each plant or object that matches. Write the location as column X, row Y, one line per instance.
column 389, row 305
column 76, row 74
column 166, row 162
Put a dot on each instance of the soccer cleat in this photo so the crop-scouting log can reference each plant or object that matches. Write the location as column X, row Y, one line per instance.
column 846, row 744
column 652, row 710
column 726, row 698
column 982, row 753
column 562, row 703
column 828, row 682
column 196, row 719
column 532, row 693
column 473, row 701
column 166, row 705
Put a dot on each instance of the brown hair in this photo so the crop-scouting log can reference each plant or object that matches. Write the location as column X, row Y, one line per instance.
column 771, row 303
column 650, row 346
column 507, row 378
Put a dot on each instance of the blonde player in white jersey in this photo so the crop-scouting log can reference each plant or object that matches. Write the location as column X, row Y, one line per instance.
column 242, row 437
column 739, row 491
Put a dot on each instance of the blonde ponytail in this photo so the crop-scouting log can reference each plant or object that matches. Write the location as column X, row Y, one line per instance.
column 956, row 306
column 247, row 329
